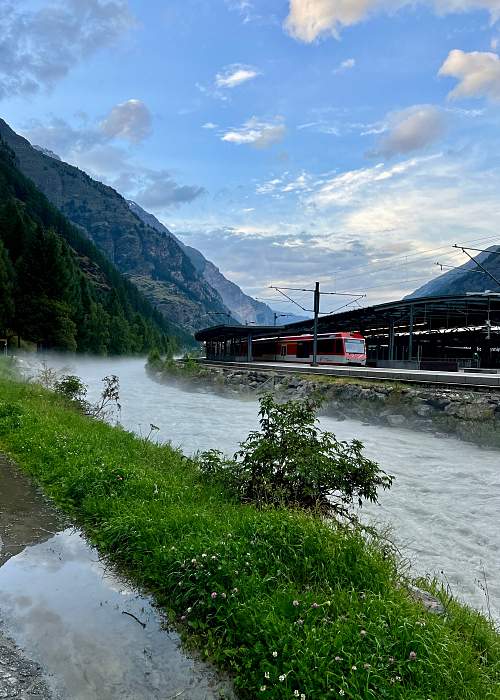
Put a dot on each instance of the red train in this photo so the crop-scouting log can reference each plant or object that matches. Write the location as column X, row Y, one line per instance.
column 333, row 349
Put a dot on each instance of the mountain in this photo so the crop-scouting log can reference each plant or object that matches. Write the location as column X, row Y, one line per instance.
column 57, row 289
column 467, row 278
column 151, row 259
column 242, row 307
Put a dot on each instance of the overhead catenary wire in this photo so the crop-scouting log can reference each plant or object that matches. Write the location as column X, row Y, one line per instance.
column 404, row 259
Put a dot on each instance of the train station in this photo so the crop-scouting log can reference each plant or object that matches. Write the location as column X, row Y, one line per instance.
column 447, row 332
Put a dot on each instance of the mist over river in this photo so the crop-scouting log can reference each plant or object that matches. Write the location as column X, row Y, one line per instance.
column 443, row 506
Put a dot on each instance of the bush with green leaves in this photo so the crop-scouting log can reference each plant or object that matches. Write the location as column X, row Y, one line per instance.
column 294, row 463
column 72, row 388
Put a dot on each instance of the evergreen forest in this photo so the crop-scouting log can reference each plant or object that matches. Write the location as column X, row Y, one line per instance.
column 58, row 290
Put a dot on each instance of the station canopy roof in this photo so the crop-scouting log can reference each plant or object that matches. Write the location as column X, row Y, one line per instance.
column 229, row 331
column 430, row 315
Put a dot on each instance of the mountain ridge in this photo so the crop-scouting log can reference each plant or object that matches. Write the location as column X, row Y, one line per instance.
column 153, row 261
column 243, row 307
column 467, row 278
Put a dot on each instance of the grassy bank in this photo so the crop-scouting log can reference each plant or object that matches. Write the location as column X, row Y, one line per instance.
column 292, row 606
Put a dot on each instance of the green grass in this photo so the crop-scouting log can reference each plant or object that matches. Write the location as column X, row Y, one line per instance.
column 145, row 505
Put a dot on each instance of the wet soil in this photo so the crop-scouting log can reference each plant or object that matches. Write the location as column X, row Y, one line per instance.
column 72, row 627
column 27, row 517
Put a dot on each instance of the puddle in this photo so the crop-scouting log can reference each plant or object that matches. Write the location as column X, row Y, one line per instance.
column 26, row 515
column 64, row 608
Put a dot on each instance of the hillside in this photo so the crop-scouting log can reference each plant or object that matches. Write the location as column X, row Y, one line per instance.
column 57, row 289
column 468, row 278
column 243, row 308
column 151, row 259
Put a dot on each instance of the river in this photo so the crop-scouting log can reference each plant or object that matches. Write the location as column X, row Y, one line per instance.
column 443, row 508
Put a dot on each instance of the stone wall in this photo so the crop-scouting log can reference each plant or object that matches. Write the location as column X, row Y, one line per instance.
column 472, row 414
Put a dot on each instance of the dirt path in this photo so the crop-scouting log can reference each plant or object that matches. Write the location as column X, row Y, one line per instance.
column 27, row 517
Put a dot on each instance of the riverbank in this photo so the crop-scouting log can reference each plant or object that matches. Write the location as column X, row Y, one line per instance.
column 473, row 415
column 353, row 629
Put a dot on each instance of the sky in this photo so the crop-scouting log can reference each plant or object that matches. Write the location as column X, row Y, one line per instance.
column 350, row 142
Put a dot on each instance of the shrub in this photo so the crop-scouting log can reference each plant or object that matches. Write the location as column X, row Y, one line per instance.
column 293, row 463
column 72, row 388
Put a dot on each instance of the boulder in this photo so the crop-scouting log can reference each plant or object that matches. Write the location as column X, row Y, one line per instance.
column 396, row 421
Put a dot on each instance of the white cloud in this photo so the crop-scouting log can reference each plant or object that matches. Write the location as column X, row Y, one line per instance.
column 355, row 186
column 38, row 49
column 130, row 121
column 349, row 63
column 232, row 76
column 163, row 191
column 309, row 20
column 235, row 74
column 478, row 72
column 349, row 219
column 260, row 134
column 92, row 148
column 412, row 129
column 209, row 125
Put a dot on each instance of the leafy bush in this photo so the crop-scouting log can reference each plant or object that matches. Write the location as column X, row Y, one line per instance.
column 293, row 462
column 72, row 388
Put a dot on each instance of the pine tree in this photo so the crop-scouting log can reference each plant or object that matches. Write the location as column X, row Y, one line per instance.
column 7, row 304
column 45, row 281
column 120, row 336
column 13, row 230
column 95, row 331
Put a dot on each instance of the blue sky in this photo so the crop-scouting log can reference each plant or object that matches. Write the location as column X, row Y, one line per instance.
column 345, row 141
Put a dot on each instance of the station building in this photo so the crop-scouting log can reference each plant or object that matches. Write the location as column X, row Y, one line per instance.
column 450, row 331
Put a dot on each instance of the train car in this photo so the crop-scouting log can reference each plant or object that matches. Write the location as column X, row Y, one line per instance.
column 333, row 349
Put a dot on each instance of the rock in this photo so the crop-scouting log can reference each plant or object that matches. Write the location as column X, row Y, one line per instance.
column 383, row 390
column 396, row 421
column 429, row 602
column 425, row 426
column 439, row 402
column 424, row 410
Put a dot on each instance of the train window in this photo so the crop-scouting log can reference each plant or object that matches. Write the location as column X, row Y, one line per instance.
column 354, row 346
column 326, row 347
column 303, row 349
column 339, row 347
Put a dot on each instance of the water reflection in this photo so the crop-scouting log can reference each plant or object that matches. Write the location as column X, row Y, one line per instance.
column 60, row 603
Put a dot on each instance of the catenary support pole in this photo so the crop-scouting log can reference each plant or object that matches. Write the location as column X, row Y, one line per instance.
column 410, row 338
column 315, row 336
column 391, row 338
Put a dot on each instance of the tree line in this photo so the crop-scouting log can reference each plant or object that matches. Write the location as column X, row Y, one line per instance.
column 58, row 290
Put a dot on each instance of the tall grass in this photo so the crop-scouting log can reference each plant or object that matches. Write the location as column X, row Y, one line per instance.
column 292, row 605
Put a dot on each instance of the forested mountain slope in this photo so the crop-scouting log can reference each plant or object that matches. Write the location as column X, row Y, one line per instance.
column 243, row 308
column 57, row 289
column 151, row 259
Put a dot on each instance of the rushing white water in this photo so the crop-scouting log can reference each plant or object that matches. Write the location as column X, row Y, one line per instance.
column 444, row 505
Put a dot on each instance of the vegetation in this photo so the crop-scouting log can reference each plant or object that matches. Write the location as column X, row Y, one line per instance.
column 293, row 463
column 58, row 290
column 152, row 260
column 291, row 604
